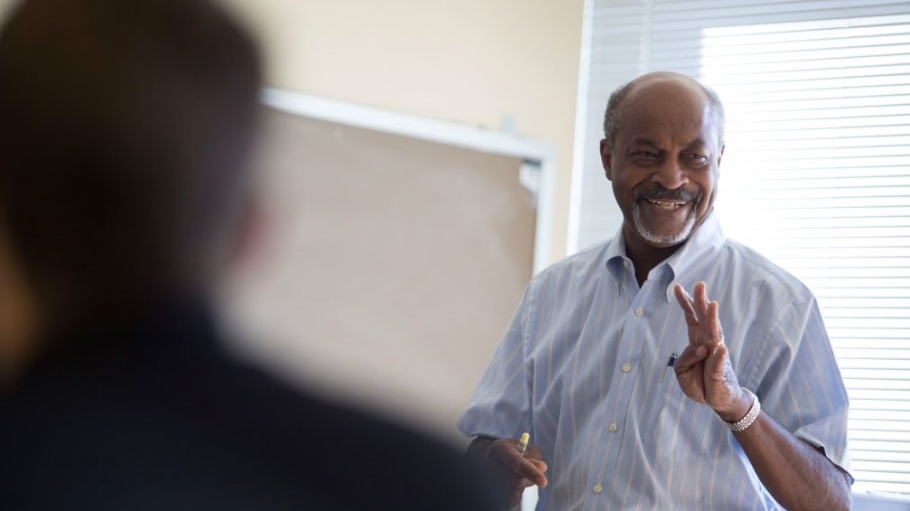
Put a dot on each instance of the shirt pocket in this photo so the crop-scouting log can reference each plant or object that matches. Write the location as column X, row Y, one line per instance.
column 676, row 429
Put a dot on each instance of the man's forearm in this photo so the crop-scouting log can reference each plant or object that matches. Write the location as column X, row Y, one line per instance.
column 795, row 473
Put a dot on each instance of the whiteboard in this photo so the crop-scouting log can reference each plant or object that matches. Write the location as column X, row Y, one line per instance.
column 390, row 268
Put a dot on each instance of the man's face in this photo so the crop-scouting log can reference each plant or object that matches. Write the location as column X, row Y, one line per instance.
column 664, row 163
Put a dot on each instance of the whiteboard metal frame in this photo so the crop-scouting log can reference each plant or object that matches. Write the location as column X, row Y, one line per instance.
column 458, row 135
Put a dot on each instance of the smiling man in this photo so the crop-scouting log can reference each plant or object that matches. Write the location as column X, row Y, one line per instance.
column 663, row 164
column 756, row 415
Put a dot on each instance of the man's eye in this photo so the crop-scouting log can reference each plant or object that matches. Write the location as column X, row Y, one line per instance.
column 645, row 155
column 695, row 159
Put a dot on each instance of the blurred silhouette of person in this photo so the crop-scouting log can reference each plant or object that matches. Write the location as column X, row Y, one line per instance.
column 125, row 129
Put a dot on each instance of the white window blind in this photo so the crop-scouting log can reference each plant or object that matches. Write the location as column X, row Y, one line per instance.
column 816, row 173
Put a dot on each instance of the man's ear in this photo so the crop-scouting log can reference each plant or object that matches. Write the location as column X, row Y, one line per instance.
column 605, row 156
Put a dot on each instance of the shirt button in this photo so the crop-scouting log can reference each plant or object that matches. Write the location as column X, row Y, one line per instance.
column 626, row 367
column 639, row 312
column 598, row 488
column 613, row 427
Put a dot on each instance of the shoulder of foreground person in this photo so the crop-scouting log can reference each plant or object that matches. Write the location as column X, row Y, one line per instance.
column 367, row 461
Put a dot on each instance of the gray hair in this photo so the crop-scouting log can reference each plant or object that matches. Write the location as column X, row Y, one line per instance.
column 612, row 116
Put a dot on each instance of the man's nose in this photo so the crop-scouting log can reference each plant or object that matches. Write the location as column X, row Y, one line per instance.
column 671, row 174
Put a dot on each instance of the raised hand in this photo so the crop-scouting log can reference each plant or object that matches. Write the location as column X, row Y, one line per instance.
column 703, row 369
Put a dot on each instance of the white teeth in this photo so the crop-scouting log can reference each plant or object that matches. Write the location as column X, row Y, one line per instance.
column 667, row 205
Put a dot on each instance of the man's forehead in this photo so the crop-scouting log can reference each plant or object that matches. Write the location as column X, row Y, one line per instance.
column 667, row 93
column 664, row 108
column 645, row 141
column 652, row 122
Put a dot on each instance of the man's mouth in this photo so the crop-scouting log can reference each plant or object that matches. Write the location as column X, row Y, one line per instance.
column 665, row 204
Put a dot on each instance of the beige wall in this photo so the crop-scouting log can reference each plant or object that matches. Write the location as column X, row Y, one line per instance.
column 471, row 62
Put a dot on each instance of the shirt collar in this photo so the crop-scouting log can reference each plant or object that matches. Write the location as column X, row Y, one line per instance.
column 707, row 239
column 616, row 254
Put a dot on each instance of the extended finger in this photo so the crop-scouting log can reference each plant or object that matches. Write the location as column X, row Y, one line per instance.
column 712, row 319
column 685, row 301
column 701, row 298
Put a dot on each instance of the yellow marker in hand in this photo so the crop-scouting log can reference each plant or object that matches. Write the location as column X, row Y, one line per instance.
column 523, row 443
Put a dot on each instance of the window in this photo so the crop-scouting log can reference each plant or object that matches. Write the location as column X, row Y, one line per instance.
column 816, row 173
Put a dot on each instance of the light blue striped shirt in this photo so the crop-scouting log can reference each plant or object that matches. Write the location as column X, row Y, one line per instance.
column 583, row 367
